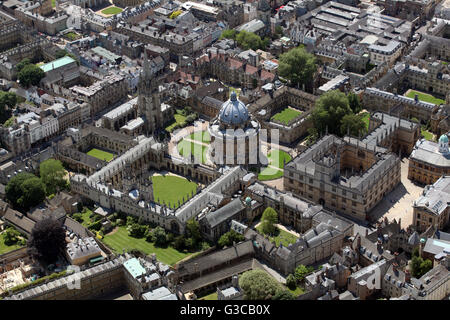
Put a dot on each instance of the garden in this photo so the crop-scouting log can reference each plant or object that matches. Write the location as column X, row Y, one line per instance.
column 424, row 97
column 112, row 10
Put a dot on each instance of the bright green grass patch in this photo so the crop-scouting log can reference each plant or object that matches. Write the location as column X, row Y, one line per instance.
column 280, row 236
column 425, row 97
column 120, row 240
column 201, row 136
column 286, row 115
column 171, row 189
column 278, row 158
column 212, row 296
column 112, row 10
column 72, row 36
column 5, row 248
column 178, row 119
column 53, row 3
column 426, row 134
column 297, row 291
column 269, row 173
column 186, row 148
column 102, row 155
column 366, row 119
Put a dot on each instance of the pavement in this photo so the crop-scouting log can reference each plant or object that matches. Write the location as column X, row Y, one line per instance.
column 398, row 203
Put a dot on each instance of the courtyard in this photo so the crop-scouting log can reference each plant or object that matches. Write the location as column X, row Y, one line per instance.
column 172, row 190
column 424, row 97
column 398, row 203
column 286, row 115
column 100, row 154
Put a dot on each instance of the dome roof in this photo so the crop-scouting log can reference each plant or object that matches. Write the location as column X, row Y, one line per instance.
column 443, row 138
column 233, row 111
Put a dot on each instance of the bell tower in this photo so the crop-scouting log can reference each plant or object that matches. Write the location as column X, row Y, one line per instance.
column 149, row 104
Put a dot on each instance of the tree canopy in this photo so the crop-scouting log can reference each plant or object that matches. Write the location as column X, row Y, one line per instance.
column 330, row 108
column 354, row 102
column 30, row 75
column 47, row 240
column 228, row 238
column 258, row 285
column 193, row 230
column 25, row 190
column 301, row 271
column 283, row 294
column 52, row 174
column 298, row 66
column 419, row 266
column 7, row 101
column 246, row 40
column 269, row 220
column 354, row 124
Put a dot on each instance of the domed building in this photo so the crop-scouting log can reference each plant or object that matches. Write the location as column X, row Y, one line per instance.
column 234, row 134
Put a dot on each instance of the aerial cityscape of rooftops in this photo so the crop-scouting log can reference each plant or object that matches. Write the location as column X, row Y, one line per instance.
column 224, row 150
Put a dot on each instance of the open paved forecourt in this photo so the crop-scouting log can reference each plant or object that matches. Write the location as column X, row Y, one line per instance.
column 119, row 240
column 171, row 189
column 100, row 154
column 286, row 115
column 398, row 203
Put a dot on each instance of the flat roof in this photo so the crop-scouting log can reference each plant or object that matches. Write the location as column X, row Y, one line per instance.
column 58, row 63
column 134, row 267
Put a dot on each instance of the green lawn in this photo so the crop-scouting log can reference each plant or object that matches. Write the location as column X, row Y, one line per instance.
column 366, row 119
column 425, row 97
column 72, row 36
column 212, row 296
column 201, row 136
column 286, row 115
column 112, row 10
column 179, row 119
column 276, row 158
column 186, row 148
column 298, row 291
column 426, row 134
column 120, row 240
column 4, row 248
column 170, row 189
column 102, row 155
column 53, row 3
column 281, row 236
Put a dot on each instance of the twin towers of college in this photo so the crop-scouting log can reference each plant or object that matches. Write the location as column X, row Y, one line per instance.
column 236, row 136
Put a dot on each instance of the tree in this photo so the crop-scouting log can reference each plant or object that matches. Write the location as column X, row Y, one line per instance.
column 7, row 101
column 52, row 174
column 30, row 75
column 291, row 282
column 284, row 295
column 136, row 230
column 249, row 40
column 330, row 108
column 298, row 66
column 258, row 285
column 419, row 266
column 159, row 235
column 47, row 240
column 193, row 230
column 22, row 64
column 269, row 220
column 228, row 238
column 11, row 236
column 179, row 243
column 229, row 34
column 278, row 31
column 354, row 102
column 354, row 124
column 25, row 190
column 301, row 271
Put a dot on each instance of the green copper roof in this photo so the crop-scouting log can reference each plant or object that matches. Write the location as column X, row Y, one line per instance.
column 134, row 267
column 56, row 63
